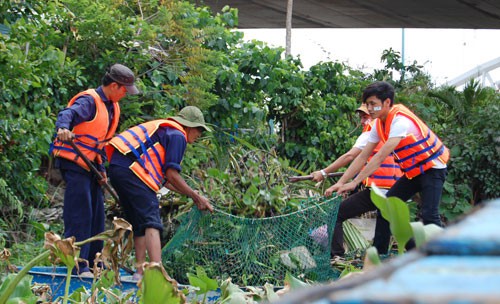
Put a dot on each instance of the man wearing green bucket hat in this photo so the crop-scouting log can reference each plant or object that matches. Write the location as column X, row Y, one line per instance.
column 143, row 159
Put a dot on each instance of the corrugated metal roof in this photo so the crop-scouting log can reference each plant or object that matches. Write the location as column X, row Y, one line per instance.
column 467, row 14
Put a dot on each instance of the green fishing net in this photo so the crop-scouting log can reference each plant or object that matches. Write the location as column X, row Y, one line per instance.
column 255, row 251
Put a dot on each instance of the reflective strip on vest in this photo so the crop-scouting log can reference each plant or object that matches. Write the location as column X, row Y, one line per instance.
column 148, row 165
column 388, row 173
column 414, row 156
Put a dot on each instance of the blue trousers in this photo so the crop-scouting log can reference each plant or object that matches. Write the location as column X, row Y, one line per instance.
column 137, row 200
column 430, row 187
column 83, row 210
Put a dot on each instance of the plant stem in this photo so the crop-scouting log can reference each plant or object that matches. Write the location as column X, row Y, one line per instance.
column 66, row 288
column 99, row 237
column 12, row 285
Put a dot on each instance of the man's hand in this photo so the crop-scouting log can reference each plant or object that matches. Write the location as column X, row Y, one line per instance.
column 333, row 188
column 104, row 179
column 203, row 203
column 317, row 176
column 65, row 134
column 346, row 188
column 177, row 184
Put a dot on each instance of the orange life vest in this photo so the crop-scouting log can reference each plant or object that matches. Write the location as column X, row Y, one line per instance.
column 388, row 172
column 148, row 166
column 91, row 136
column 414, row 156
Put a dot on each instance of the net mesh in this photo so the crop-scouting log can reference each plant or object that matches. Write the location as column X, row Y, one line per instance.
column 255, row 251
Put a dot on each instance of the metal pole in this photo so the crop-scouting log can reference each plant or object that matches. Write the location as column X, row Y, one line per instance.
column 289, row 13
column 403, row 53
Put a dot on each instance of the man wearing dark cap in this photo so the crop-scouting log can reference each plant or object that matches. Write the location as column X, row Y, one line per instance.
column 90, row 119
column 143, row 159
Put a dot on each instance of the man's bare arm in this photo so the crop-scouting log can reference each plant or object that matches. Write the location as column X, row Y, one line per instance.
column 353, row 169
column 180, row 185
column 372, row 166
column 340, row 162
column 378, row 158
column 358, row 163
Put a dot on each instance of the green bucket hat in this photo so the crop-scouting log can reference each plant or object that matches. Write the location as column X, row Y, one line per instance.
column 191, row 116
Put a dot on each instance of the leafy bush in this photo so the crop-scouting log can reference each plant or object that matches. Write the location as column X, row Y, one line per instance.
column 471, row 121
column 242, row 179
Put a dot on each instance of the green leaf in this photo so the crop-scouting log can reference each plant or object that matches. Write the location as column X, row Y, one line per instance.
column 22, row 293
column 202, row 281
column 231, row 293
column 252, row 190
column 399, row 222
column 157, row 287
column 380, row 200
column 270, row 294
column 293, row 282
column 197, row 282
column 214, row 172
column 211, row 283
column 397, row 213
column 372, row 256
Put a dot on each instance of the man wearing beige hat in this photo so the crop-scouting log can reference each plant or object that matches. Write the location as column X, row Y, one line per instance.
column 90, row 120
column 360, row 202
column 142, row 160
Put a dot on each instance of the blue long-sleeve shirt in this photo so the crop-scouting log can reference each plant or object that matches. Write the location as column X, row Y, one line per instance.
column 83, row 109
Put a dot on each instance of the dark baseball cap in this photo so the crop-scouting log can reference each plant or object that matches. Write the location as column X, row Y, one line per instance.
column 124, row 76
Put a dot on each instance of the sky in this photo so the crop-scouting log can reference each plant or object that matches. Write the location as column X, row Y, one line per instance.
column 444, row 53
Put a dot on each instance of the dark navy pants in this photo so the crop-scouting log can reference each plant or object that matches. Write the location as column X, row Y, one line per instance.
column 83, row 211
column 137, row 200
column 430, row 187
